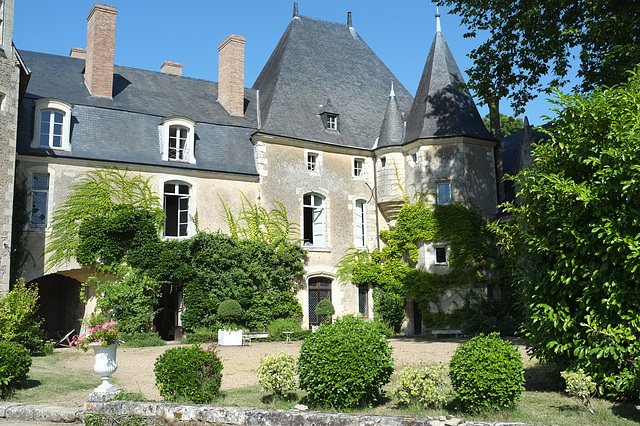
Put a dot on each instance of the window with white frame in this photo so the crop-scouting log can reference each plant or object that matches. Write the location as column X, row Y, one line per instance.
column 39, row 199
column 332, row 121
column 313, row 161
column 443, row 193
column 178, row 136
column 176, row 209
column 358, row 167
column 52, row 125
column 313, row 220
column 360, row 221
column 441, row 255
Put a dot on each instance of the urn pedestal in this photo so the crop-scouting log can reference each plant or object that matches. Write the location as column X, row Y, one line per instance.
column 105, row 365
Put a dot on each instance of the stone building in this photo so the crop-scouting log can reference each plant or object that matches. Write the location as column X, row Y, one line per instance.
column 12, row 72
column 326, row 129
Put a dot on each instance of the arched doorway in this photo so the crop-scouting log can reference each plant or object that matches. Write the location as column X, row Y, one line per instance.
column 60, row 305
column 319, row 289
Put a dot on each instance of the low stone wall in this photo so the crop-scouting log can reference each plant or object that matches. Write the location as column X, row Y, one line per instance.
column 217, row 415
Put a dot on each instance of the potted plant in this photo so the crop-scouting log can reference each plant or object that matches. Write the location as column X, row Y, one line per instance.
column 228, row 310
column 324, row 311
column 103, row 336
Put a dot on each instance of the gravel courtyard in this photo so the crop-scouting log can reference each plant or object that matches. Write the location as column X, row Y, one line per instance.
column 135, row 365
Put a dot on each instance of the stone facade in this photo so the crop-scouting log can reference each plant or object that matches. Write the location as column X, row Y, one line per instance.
column 9, row 88
column 312, row 134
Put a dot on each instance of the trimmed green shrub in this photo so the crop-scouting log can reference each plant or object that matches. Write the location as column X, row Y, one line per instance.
column 229, row 309
column 277, row 373
column 15, row 361
column 277, row 326
column 345, row 364
column 200, row 335
column 424, row 385
column 188, row 373
column 141, row 340
column 324, row 310
column 486, row 373
column 18, row 317
column 382, row 327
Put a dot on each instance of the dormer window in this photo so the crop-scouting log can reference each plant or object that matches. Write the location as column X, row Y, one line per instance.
column 52, row 125
column 178, row 140
column 329, row 116
column 332, row 121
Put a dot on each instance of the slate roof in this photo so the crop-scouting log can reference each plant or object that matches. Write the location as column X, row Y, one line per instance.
column 441, row 107
column 125, row 128
column 392, row 130
column 318, row 60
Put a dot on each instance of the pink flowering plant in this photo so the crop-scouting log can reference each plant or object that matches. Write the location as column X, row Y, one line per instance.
column 106, row 333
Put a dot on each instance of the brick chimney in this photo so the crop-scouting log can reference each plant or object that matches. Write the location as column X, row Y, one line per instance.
column 231, row 74
column 101, row 43
column 169, row 67
column 78, row 52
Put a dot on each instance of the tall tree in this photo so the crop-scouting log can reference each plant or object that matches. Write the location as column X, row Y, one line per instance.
column 508, row 125
column 575, row 235
column 529, row 46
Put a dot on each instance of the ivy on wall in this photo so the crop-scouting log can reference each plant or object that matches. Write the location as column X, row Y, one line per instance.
column 113, row 222
column 392, row 271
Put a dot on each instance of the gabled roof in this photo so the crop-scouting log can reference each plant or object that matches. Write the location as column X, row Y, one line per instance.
column 443, row 106
column 125, row 129
column 317, row 60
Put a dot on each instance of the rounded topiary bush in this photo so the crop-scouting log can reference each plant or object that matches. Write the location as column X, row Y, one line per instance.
column 425, row 385
column 229, row 309
column 345, row 364
column 15, row 361
column 277, row 373
column 188, row 373
column 486, row 373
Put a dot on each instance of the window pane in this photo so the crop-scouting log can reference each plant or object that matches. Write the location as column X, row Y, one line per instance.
column 169, row 188
column 40, row 181
column 39, row 207
column 58, row 116
column 362, row 300
column 57, row 141
column 441, row 255
column 306, row 200
column 183, row 189
column 444, row 193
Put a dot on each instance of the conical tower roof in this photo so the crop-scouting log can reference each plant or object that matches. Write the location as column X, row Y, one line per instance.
column 443, row 106
column 392, row 131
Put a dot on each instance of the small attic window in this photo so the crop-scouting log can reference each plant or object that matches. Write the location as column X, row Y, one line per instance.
column 329, row 116
column 332, row 121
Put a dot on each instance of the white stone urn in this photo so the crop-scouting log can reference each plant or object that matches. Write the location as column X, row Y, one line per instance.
column 105, row 365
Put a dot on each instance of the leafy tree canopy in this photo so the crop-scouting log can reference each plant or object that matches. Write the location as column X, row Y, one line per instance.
column 575, row 234
column 508, row 125
column 529, row 43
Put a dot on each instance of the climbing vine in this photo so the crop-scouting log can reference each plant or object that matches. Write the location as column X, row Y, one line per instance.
column 393, row 273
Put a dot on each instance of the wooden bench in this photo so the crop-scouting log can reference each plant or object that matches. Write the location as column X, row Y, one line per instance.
column 246, row 337
column 446, row 331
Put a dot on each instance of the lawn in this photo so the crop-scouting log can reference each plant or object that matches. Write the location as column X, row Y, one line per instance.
column 541, row 403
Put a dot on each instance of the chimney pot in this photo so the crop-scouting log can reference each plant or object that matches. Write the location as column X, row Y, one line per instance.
column 173, row 68
column 231, row 74
column 101, row 42
column 78, row 52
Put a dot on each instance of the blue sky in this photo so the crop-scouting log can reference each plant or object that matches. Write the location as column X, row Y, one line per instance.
column 150, row 32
